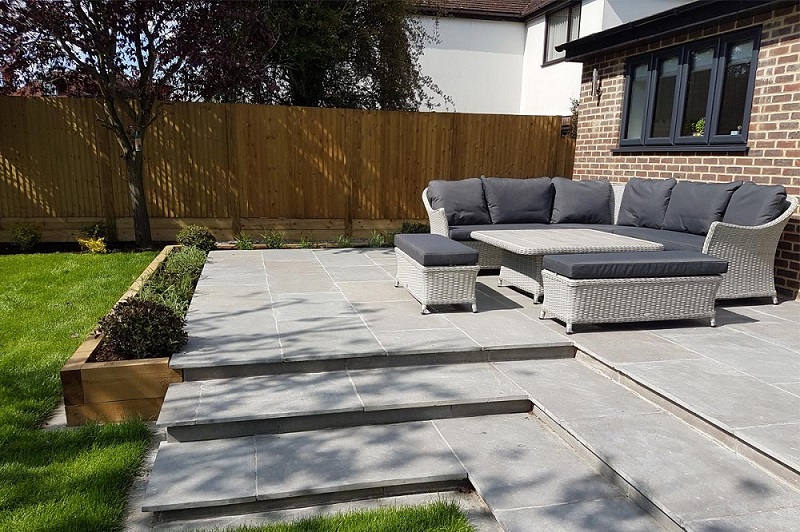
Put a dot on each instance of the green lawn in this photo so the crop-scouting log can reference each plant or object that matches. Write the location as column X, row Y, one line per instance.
column 59, row 480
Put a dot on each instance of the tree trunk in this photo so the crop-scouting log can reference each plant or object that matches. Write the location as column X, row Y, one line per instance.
column 141, row 220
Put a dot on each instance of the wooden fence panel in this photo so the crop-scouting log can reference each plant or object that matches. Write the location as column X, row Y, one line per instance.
column 250, row 167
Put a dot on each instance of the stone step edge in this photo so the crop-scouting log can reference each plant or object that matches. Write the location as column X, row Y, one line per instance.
column 718, row 431
column 349, row 493
column 374, row 415
column 550, row 350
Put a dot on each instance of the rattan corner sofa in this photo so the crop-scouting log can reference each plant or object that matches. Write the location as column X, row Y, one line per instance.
column 740, row 222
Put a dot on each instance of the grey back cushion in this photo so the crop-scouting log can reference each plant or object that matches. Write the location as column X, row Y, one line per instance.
column 694, row 206
column 587, row 202
column 753, row 204
column 518, row 200
column 463, row 201
column 644, row 202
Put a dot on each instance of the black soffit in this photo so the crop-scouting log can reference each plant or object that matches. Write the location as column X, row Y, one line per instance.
column 666, row 24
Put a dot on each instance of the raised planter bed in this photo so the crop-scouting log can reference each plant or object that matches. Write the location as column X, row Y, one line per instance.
column 113, row 391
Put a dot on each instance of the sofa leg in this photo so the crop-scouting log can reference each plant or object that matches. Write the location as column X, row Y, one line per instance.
column 474, row 307
column 542, row 314
column 713, row 321
column 425, row 309
column 774, row 300
column 569, row 328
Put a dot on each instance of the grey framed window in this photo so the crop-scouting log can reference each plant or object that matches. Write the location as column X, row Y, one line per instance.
column 695, row 95
column 560, row 26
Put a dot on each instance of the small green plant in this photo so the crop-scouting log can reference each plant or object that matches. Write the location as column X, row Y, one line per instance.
column 143, row 329
column 412, row 227
column 96, row 230
column 306, row 243
column 699, row 127
column 274, row 239
column 383, row 239
column 93, row 245
column 198, row 236
column 25, row 235
column 243, row 241
column 343, row 241
column 173, row 284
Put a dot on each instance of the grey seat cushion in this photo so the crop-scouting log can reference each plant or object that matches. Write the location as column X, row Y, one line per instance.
column 436, row 250
column 644, row 202
column 586, row 202
column 463, row 201
column 672, row 240
column 518, row 200
column 463, row 232
column 634, row 265
column 694, row 206
column 753, row 204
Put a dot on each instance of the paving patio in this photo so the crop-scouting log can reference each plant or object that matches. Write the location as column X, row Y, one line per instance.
column 311, row 379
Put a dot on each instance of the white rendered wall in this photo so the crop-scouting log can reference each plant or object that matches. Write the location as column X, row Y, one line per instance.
column 478, row 63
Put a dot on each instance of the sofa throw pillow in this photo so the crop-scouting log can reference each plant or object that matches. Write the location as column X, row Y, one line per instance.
column 463, row 201
column 753, row 204
column 694, row 206
column 518, row 200
column 587, row 202
column 644, row 202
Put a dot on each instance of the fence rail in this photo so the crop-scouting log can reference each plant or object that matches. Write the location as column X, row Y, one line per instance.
column 313, row 172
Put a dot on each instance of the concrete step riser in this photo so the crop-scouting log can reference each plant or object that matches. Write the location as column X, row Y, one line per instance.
column 374, row 362
column 213, row 431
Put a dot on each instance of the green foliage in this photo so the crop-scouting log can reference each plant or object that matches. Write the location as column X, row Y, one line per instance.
column 274, row 239
column 411, row 227
column 25, row 235
column 383, row 239
column 439, row 516
column 173, row 284
column 243, row 241
column 306, row 243
column 198, row 236
column 343, row 241
column 96, row 230
column 62, row 479
column 574, row 103
column 143, row 329
column 93, row 245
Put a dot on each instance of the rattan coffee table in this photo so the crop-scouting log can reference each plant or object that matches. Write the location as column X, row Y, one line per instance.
column 523, row 250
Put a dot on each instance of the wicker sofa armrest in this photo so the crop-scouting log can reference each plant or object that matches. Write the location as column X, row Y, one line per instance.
column 750, row 252
column 436, row 217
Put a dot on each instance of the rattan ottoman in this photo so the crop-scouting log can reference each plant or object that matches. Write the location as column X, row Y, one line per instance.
column 630, row 287
column 436, row 270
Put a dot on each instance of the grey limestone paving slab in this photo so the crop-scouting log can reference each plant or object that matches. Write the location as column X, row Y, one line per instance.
column 514, row 461
column 719, row 392
column 788, row 310
column 569, row 390
column 381, row 256
column 343, row 257
column 748, row 354
column 418, row 341
column 682, row 470
column 215, row 297
column 619, row 515
column 791, row 387
column 258, row 317
column 305, row 299
column 224, row 350
column 298, row 284
column 327, row 338
column 263, row 397
column 286, row 311
column 421, row 386
column 504, row 328
column 196, row 474
column 294, row 267
column 359, row 273
column 780, row 440
column 399, row 315
column 373, row 291
column 621, row 346
column 782, row 519
column 231, row 275
column 326, row 461
column 293, row 255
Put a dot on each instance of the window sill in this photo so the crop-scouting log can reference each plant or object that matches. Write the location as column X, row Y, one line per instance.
column 696, row 148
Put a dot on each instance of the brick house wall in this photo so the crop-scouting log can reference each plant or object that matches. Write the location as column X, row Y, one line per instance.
column 774, row 136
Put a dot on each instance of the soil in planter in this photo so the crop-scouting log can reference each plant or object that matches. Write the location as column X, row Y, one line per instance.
column 104, row 354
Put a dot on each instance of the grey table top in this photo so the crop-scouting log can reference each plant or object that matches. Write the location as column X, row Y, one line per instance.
column 552, row 241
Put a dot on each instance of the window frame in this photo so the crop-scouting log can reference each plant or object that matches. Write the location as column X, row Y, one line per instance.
column 720, row 44
column 568, row 9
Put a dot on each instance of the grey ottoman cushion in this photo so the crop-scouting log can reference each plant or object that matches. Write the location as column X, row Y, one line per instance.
column 672, row 240
column 436, row 250
column 463, row 201
column 693, row 206
column 753, row 204
column 518, row 200
column 634, row 265
column 587, row 202
column 644, row 202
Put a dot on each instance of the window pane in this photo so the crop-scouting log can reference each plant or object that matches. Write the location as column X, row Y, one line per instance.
column 694, row 110
column 575, row 23
column 665, row 96
column 637, row 102
column 557, row 25
column 734, row 88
